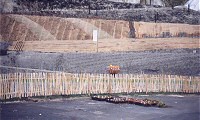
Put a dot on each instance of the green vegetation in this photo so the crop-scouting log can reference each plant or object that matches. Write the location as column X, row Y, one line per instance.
column 172, row 3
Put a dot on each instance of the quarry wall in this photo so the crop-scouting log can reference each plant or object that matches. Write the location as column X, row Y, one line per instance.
column 34, row 28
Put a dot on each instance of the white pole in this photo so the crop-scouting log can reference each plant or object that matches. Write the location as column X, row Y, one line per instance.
column 95, row 38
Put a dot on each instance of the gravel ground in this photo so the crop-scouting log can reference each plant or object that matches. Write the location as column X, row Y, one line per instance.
column 180, row 108
column 179, row 61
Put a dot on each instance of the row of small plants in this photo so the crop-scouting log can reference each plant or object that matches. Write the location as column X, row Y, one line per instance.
column 119, row 100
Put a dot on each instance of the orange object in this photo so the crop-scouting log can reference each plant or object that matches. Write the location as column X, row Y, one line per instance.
column 113, row 69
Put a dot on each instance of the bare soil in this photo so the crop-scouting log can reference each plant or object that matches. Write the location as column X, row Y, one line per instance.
column 109, row 45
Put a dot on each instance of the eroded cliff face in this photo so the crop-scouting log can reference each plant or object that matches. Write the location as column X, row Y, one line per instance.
column 33, row 28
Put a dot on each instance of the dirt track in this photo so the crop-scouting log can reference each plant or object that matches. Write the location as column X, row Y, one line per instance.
column 109, row 45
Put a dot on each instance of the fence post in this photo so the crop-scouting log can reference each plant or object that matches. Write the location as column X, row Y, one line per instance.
column 146, row 83
column 89, row 80
column 109, row 83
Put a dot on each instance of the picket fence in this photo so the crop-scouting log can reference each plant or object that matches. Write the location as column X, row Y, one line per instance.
column 20, row 85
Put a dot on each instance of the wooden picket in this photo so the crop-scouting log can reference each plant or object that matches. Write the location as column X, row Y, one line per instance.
column 20, row 85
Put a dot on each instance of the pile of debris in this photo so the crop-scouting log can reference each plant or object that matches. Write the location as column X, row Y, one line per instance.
column 119, row 100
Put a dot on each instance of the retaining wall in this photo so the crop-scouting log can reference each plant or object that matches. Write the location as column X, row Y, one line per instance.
column 34, row 28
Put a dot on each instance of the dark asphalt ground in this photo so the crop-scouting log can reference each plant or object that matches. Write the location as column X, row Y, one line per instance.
column 173, row 62
column 185, row 107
